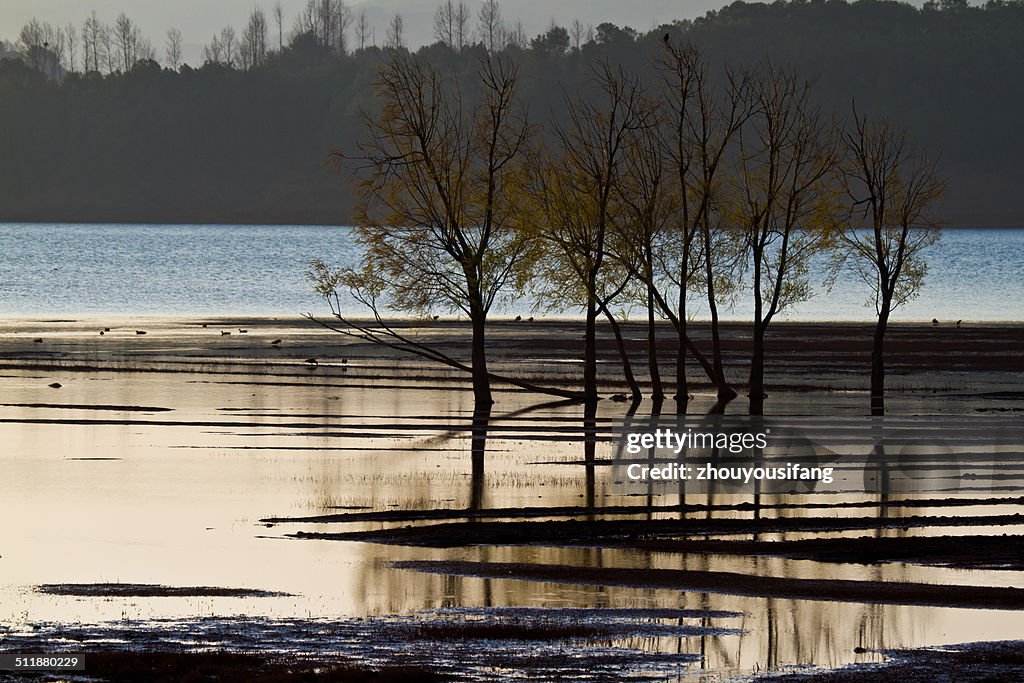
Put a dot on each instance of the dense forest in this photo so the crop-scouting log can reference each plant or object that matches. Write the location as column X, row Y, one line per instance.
column 246, row 137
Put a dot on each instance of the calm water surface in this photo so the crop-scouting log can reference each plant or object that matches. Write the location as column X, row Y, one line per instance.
column 66, row 270
column 175, row 497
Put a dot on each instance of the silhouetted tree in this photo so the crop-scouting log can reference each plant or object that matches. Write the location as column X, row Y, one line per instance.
column 490, row 26
column 893, row 188
column 783, row 200
column 575, row 186
column 395, row 36
column 172, row 52
column 438, row 186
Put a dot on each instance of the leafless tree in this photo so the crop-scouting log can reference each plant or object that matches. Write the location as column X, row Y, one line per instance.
column 450, row 21
column 647, row 207
column 701, row 122
column 229, row 46
column 893, row 188
column 395, row 36
column 34, row 42
column 253, row 46
column 490, row 26
column 126, row 38
column 575, row 188
column 517, row 36
column 440, row 191
column 362, row 31
column 783, row 200
column 279, row 20
column 71, row 41
column 108, row 52
column 461, row 20
column 222, row 48
column 172, row 50
column 327, row 21
column 92, row 31
column 576, row 33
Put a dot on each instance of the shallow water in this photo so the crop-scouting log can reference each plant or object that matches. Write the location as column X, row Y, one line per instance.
column 133, row 270
column 175, row 497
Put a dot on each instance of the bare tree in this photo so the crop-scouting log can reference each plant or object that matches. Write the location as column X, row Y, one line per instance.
column 783, row 200
column 71, row 40
column 444, row 23
column 648, row 207
column 92, row 31
column 108, row 52
column 702, row 120
column 172, row 50
column 575, row 187
column 229, row 46
column 279, row 20
column 517, row 36
column 253, row 46
column 461, row 20
column 395, row 38
column 490, row 26
column 362, row 31
column 126, row 37
column 450, row 21
column 576, row 32
column 222, row 48
column 34, row 42
column 892, row 188
column 327, row 21
column 439, row 187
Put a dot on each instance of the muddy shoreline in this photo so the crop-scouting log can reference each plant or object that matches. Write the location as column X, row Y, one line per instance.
column 801, row 356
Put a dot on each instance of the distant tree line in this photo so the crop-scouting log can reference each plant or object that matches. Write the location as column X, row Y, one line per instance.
column 647, row 194
column 96, row 129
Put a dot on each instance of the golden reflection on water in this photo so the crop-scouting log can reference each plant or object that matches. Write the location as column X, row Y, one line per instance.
column 175, row 497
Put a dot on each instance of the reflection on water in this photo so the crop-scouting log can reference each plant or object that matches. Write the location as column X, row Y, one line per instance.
column 175, row 497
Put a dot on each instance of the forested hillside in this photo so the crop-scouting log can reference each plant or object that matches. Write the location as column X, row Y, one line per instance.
column 223, row 143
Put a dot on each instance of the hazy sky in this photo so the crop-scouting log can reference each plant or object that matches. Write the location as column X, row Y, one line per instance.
column 198, row 20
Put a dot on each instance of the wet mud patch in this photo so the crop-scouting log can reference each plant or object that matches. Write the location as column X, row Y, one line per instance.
column 972, row 662
column 190, row 667
column 544, row 645
column 151, row 590
column 1003, row 552
column 630, row 533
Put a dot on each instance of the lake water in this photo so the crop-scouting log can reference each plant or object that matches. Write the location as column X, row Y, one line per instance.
column 140, row 270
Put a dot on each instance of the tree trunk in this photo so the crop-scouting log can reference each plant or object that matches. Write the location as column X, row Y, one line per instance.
column 590, row 352
column 725, row 392
column 481, row 417
column 481, row 378
column 627, row 367
column 878, row 362
column 658, row 391
column 757, row 372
